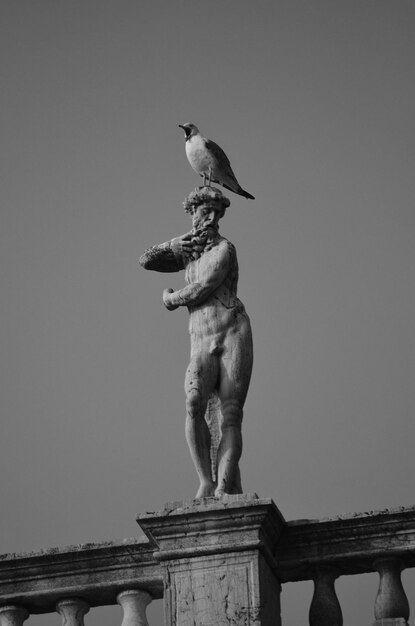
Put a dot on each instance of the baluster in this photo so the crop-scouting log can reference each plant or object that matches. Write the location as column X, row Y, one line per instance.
column 325, row 608
column 13, row 615
column 391, row 604
column 72, row 611
column 134, row 604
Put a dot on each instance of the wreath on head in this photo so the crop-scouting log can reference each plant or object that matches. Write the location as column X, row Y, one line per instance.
column 205, row 194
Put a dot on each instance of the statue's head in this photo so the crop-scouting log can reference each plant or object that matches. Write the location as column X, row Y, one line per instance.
column 209, row 196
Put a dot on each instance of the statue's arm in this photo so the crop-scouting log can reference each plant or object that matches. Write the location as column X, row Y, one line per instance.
column 165, row 257
column 196, row 293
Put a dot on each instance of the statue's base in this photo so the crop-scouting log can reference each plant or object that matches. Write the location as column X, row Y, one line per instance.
column 218, row 560
column 397, row 621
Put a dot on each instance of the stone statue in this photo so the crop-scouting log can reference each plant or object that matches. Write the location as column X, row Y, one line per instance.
column 219, row 371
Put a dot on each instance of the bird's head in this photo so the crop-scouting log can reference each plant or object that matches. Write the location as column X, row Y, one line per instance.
column 189, row 130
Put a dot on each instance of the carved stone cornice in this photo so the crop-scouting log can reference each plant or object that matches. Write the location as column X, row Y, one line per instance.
column 212, row 526
column 97, row 573
column 350, row 543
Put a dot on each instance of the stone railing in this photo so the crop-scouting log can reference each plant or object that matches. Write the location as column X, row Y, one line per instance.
column 72, row 580
column 216, row 562
column 323, row 550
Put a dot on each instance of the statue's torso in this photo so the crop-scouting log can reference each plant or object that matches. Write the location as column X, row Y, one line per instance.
column 222, row 311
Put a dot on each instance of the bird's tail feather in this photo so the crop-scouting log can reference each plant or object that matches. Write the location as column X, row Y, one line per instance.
column 245, row 194
column 236, row 189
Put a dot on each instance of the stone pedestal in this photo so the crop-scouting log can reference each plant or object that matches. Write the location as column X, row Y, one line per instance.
column 218, row 560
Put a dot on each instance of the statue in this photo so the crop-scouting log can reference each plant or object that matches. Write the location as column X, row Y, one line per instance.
column 219, row 371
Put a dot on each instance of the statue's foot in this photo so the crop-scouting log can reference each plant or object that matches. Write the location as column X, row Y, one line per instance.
column 205, row 490
column 224, row 490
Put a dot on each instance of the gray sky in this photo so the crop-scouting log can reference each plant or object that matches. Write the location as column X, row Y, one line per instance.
column 314, row 104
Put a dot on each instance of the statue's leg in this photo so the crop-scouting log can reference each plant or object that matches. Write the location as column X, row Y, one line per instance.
column 235, row 375
column 230, row 448
column 201, row 377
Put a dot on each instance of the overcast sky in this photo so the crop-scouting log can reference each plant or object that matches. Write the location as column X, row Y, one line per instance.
column 314, row 104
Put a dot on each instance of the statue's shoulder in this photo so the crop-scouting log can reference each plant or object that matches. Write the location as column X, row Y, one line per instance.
column 222, row 248
column 228, row 245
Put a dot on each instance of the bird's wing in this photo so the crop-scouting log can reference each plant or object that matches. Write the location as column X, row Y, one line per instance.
column 217, row 151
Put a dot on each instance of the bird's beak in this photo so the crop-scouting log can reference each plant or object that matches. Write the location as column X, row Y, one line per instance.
column 181, row 126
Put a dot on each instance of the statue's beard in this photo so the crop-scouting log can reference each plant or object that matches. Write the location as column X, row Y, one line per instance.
column 205, row 234
column 208, row 231
column 204, row 239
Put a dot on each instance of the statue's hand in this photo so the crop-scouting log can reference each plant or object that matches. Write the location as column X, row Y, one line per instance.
column 167, row 299
column 183, row 245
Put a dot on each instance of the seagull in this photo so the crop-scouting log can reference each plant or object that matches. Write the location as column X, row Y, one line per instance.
column 209, row 161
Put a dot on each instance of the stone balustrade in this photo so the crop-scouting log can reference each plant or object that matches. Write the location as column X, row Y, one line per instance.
column 216, row 562
column 323, row 550
column 72, row 580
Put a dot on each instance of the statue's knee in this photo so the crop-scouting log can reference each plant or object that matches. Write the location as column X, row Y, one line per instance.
column 193, row 403
column 232, row 414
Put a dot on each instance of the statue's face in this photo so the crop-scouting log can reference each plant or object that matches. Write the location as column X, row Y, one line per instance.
column 207, row 215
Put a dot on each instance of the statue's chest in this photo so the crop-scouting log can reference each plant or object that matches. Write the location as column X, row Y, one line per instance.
column 199, row 270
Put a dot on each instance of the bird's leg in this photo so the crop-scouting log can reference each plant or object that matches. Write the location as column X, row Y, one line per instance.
column 204, row 179
column 210, row 176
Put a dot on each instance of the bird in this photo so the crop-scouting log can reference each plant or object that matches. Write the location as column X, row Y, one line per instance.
column 209, row 161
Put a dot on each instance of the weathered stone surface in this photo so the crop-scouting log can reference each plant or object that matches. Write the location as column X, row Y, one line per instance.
column 349, row 543
column 13, row 615
column 219, row 372
column 214, row 591
column 325, row 608
column 134, row 603
column 398, row 621
column 72, row 611
column 391, row 602
column 239, row 537
column 217, row 554
column 95, row 572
